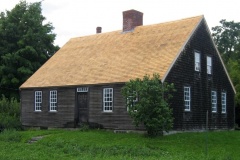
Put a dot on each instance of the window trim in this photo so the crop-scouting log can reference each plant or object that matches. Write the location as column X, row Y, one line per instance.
column 82, row 89
column 187, row 98
column 214, row 104
column 196, row 54
column 209, row 65
column 224, row 102
column 107, row 100
column 38, row 95
column 53, row 100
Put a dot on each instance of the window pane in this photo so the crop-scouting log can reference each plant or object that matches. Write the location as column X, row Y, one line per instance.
column 107, row 99
column 209, row 65
column 214, row 101
column 187, row 98
column 224, row 102
column 197, row 61
column 38, row 100
column 53, row 100
column 209, row 61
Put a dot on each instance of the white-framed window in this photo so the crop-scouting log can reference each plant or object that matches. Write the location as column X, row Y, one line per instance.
column 38, row 100
column 224, row 102
column 53, row 100
column 214, row 101
column 197, row 61
column 132, row 100
column 187, row 98
column 209, row 65
column 108, row 99
column 82, row 89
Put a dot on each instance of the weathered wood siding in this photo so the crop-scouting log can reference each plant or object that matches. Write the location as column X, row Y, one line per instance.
column 119, row 118
column 183, row 74
column 67, row 108
column 63, row 117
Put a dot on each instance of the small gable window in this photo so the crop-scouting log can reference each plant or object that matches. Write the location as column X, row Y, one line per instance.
column 197, row 61
column 38, row 100
column 187, row 98
column 209, row 65
column 214, row 101
column 224, row 102
column 53, row 100
column 108, row 99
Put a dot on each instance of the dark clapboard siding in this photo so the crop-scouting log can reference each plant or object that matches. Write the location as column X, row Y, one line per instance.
column 183, row 74
column 64, row 117
column 119, row 118
column 67, row 108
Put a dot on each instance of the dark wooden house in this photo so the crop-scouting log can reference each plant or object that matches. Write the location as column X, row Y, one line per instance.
column 82, row 82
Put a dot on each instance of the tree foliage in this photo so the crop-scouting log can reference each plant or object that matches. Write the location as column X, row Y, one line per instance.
column 227, row 39
column 26, row 43
column 147, row 103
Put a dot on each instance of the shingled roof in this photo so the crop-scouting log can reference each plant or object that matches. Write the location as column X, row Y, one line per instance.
column 116, row 56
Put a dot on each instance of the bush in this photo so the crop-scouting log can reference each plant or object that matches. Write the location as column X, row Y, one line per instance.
column 10, row 136
column 9, row 114
column 84, row 127
column 147, row 102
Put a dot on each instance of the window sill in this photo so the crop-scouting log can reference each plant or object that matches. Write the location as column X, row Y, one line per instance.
column 107, row 111
column 53, row 111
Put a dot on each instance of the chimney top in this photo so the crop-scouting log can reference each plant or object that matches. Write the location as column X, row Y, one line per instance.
column 99, row 30
column 132, row 19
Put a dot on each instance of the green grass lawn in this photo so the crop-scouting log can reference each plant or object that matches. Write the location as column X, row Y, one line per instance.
column 99, row 144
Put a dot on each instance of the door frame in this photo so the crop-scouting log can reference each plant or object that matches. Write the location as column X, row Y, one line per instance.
column 76, row 114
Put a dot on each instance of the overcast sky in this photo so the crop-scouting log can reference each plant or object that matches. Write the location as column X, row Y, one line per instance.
column 74, row 18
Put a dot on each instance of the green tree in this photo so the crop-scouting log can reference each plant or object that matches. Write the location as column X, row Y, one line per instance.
column 227, row 39
column 147, row 103
column 26, row 43
column 234, row 72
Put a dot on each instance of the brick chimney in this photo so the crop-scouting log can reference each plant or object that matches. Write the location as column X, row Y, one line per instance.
column 132, row 19
column 99, row 30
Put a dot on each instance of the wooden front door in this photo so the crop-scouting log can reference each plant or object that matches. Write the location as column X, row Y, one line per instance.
column 82, row 102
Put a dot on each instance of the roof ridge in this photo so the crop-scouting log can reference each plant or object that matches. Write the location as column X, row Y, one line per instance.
column 120, row 31
column 173, row 21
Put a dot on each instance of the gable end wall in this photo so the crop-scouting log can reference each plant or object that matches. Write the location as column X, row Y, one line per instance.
column 183, row 74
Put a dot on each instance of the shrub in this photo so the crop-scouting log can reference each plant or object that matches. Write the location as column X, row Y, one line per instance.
column 84, row 127
column 9, row 114
column 10, row 135
column 147, row 102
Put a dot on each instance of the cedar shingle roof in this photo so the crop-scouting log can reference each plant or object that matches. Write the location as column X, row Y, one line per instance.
column 116, row 56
